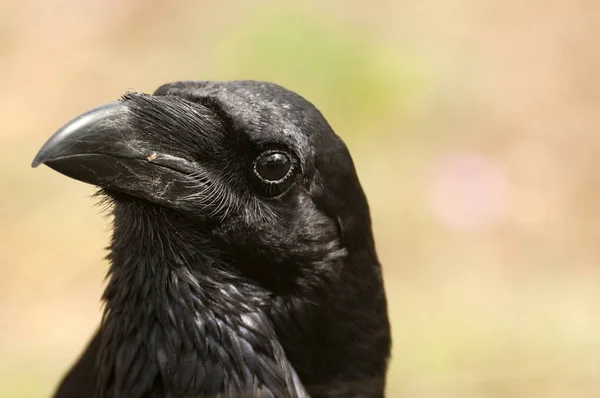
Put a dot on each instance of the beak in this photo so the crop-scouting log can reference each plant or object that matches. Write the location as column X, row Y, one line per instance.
column 102, row 147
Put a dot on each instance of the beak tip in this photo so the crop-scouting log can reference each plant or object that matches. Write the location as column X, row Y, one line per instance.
column 40, row 158
column 37, row 161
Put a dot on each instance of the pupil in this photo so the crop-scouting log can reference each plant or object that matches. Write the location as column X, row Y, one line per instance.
column 273, row 167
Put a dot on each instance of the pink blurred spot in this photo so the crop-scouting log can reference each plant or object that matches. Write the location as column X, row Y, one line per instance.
column 469, row 191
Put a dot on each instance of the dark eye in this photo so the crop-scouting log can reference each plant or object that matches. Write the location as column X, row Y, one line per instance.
column 273, row 167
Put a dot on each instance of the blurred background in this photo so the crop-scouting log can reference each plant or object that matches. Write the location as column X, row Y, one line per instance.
column 474, row 126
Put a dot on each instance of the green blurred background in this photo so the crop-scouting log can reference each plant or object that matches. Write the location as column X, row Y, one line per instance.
column 474, row 126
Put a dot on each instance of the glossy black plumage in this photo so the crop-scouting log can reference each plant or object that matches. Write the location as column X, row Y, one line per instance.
column 222, row 284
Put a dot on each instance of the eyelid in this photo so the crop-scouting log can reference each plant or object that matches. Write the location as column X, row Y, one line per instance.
column 292, row 155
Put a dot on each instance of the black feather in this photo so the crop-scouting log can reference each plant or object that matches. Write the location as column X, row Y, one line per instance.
column 234, row 287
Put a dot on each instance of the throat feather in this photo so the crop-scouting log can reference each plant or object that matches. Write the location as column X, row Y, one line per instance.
column 171, row 330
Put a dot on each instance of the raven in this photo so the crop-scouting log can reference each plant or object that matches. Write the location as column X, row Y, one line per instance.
column 242, row 260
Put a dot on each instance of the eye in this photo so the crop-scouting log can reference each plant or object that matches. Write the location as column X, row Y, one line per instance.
column 273, row 167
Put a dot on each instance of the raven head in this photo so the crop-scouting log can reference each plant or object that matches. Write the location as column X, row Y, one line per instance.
column 254, row 165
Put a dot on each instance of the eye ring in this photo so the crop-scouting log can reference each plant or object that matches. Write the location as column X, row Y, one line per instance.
column 274, row 167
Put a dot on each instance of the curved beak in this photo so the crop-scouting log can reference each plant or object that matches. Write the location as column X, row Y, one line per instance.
column 103, row 147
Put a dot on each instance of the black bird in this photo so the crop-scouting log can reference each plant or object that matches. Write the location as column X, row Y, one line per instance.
column 242, row 261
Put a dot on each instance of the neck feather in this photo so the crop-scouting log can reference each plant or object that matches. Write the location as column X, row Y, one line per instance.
column 177, row 322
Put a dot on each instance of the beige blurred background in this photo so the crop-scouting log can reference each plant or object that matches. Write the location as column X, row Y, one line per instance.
column 474, row 126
